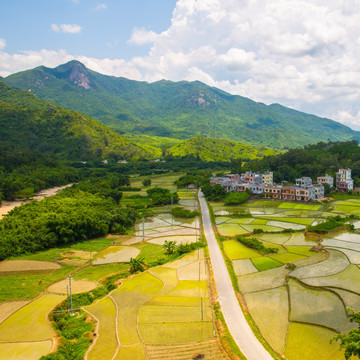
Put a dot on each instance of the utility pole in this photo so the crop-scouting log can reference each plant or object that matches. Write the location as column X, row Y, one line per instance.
column 71, row 304
column 143, row 221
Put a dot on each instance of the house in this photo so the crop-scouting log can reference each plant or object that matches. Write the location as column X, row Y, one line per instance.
column 319, row 191
column 256, row 189
column 344, row 182
column 288, row 192
column 273, row 191
column 242, row 187
column 251, row 178
column 327, row 179
column 268, row 178
column 305, row 193
column 303, row 182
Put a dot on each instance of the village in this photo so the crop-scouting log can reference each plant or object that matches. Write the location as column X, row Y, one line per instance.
column 304, row 189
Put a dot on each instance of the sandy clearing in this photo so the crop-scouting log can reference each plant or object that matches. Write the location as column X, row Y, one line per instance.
column 77, row 286
column 27, row 265
column 8, row 308
column 7, row 206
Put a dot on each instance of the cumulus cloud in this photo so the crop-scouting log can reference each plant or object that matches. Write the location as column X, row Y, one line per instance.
column 300, row 53
column 66, row 28
column 2, row 43
column 142, row 37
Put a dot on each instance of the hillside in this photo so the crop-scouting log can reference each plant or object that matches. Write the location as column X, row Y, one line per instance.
column 176, row 109
column 28, row 124
column 218, row 150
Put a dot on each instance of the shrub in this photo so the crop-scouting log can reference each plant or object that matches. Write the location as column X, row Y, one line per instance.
column 183, row 213
column 255, row 244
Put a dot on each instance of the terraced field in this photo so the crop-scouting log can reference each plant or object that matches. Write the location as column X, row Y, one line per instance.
column 309, row 300
column 163, row 313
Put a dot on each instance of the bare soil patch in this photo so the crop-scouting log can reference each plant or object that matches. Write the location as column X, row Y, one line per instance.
column 9, row 266
column 77, row 286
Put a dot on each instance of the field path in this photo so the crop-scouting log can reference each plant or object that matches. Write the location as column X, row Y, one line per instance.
column 234, row 317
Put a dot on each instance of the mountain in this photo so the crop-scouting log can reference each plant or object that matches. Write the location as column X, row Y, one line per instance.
column 28, row 124
column 218, row 150
column 176, row 109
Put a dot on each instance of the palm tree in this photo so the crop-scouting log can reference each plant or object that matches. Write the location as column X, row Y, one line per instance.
column 169, row 247
column 136, row 265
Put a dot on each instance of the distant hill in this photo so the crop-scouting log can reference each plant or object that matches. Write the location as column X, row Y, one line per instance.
column 28, row 123
column 176, row 109
column 218, row 150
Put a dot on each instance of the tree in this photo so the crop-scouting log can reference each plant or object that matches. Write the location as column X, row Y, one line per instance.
column 169, row 247
column 350, row 342
column 236, row 166
column 136, row 265
column 236, row 197
column 147, row 182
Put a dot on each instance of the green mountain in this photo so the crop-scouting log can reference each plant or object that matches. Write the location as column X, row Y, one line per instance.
column 218, row 150
column 176, row 109
column 29, row 124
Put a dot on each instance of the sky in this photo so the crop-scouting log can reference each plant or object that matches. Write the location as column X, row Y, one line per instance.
column 303, row 54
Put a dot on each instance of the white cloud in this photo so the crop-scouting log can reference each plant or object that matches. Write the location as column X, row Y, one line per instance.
column 300, row 53
column 101, row 7
column 66, row 28
column 2, row 43
column 142, row 37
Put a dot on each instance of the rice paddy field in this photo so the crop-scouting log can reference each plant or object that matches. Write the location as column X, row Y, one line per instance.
column 310, row 297
column 165, row 310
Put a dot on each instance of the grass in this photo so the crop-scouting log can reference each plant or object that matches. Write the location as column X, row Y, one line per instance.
column 265, row 263
column 319, row 307
column 106, row 343
column 29, row 286
column 311, row 343
column 262, row 306
column 97, row 272
column 28, row 323
column 235, row 250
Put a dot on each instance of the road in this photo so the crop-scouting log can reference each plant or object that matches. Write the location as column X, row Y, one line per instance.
column 248, row 344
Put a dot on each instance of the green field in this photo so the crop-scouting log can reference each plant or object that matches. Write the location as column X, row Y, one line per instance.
column 265, row 263
column 235, row 250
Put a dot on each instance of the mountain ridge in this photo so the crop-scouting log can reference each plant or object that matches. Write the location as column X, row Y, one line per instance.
column 176, row 109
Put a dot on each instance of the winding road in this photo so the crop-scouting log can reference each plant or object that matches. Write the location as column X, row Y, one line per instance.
column 247, row 342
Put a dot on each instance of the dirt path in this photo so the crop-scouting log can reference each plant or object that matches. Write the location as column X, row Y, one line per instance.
column 248, row 344
column 7, row 206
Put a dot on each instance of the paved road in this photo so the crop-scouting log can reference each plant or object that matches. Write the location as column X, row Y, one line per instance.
column 235, row 320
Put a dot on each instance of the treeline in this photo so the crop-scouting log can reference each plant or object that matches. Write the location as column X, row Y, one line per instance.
column 312, row 160
column 68, row 217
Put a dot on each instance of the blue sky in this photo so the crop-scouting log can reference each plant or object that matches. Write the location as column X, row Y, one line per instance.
column 105, row 27
column 300, row 53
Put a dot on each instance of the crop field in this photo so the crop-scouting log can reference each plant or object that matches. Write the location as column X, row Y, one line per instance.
column 116, row 254
column 33, row 350
column 165, row 306
column 310, row 299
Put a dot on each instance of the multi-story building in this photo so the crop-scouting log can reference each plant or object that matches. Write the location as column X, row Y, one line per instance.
column 319, row 191
column 305, row 193
column 256, row 189
column 268, row 178
column 251, row 178
column 303, row 182
column 344, row 182
column 273, row 191
column 327, row 179
column 288, row 193
column 242, row 187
